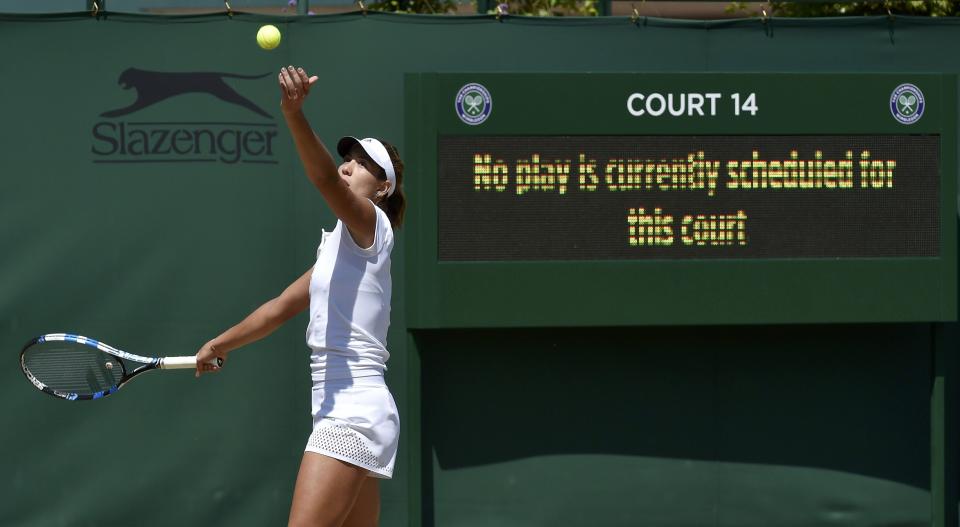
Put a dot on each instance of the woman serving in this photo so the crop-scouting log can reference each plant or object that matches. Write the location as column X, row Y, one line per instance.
column 348, row 290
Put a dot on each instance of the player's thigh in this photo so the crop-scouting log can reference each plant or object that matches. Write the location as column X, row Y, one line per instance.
column 325, row 492
column 366, row 510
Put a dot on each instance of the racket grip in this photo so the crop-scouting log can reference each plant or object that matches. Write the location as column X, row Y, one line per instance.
column 188, row 361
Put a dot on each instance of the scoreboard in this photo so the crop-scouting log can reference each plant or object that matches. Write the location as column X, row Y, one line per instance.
column 632, row 199
column 683, row 197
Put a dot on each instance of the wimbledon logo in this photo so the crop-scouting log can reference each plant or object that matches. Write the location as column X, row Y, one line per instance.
column 906, row 103
column 473, row 104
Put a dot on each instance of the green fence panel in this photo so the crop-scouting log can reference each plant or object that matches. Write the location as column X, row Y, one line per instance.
column 155, row 225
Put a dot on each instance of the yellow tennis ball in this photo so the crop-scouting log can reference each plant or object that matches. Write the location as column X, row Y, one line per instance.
column 268, row 36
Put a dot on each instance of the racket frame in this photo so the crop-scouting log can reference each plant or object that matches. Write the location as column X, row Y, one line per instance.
column 148, row 363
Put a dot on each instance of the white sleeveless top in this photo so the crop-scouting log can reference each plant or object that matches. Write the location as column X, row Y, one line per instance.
column 350, row 291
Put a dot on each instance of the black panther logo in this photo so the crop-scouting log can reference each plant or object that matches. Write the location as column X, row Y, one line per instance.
column 155, row 86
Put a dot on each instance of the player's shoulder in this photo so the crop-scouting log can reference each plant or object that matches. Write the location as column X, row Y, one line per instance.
column 384, row 234
column 383, row 219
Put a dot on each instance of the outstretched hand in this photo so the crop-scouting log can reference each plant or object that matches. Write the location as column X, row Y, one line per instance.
column 207, row 355
column 294, row 88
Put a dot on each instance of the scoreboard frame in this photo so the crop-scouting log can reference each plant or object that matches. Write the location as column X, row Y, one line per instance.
column 551, row 293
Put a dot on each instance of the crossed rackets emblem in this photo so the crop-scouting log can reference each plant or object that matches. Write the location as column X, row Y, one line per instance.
column 907, row 104
column 474, row 104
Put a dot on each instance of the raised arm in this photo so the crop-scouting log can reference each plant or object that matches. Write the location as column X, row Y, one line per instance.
column 355, row 211
column 262, row 322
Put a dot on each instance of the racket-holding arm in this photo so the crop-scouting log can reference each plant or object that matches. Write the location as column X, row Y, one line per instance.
column 257, row 325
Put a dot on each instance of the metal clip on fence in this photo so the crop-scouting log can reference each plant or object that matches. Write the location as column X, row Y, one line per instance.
column 363, row 7
column 635, row 18
column 890, row 19
column 98, row 9
column 767, row 26
column 229, row 9
column 502, row 11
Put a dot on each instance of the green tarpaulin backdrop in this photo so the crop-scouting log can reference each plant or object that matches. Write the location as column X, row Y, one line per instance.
column 154, row 228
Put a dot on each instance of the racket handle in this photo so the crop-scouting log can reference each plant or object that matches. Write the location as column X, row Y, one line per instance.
column 188, row 361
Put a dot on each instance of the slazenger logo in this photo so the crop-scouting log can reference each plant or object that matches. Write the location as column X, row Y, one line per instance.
column 247, row 140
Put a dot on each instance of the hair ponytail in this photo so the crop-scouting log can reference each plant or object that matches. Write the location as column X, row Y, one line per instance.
column 396, row 204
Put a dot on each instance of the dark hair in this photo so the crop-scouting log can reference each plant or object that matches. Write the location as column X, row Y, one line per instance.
column 396, row 204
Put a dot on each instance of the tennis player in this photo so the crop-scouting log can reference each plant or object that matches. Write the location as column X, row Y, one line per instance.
column 355, row 423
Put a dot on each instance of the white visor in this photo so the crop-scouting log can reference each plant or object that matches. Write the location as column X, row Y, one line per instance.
column 377, row 152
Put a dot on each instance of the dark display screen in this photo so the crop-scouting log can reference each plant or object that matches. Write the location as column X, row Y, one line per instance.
column 688, row 197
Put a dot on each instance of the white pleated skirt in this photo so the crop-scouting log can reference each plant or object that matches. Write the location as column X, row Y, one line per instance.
column 355, row 420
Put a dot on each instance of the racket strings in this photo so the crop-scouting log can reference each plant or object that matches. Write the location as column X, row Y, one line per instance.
column 73, row 368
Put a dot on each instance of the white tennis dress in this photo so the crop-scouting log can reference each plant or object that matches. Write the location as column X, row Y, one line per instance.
column 354, row 415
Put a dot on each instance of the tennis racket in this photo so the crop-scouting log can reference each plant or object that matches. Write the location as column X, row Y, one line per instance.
column 78, row 368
